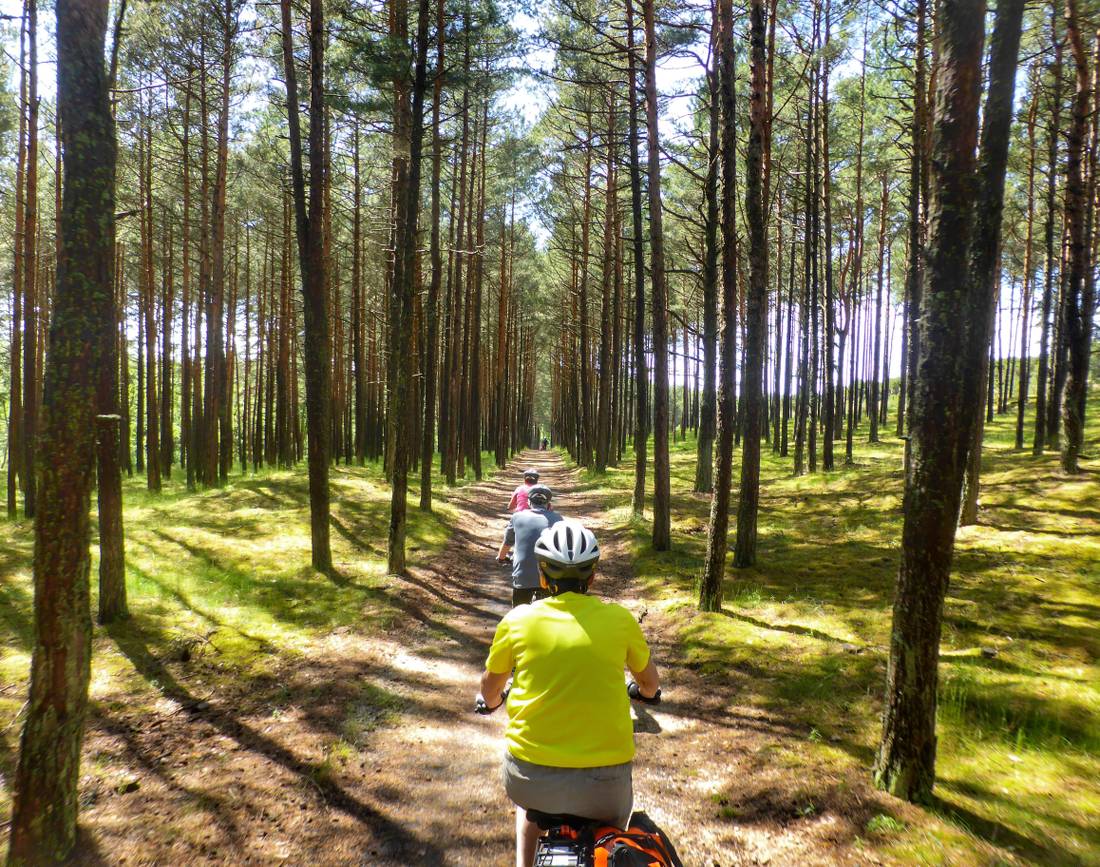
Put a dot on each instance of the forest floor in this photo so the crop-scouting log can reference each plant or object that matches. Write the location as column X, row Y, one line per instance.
column 252, row 711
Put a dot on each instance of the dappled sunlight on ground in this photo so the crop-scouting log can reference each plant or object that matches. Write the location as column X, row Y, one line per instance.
column 255, row 711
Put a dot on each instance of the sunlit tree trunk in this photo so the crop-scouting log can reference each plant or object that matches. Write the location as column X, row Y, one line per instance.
column 43, row 825
column 967, row 203
column 311, row 258
column 1078, row 302
column 756, row 319
column 662, row 521
column 29, row 428
column 710, row 592
column 641, row 375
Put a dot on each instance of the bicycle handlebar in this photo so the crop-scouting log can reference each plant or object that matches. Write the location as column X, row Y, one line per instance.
column 635, row 692
column 480, row 707
column 632, row 690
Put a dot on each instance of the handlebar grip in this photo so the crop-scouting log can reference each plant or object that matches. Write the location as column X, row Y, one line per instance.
column 635, row 692
column 480, row 707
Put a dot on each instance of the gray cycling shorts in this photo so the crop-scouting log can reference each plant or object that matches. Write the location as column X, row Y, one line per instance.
column 605, row 794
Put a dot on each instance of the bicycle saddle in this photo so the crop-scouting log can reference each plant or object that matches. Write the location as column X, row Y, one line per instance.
column 546, row 821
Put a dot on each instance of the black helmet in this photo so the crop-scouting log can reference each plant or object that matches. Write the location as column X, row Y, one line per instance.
column 530, row 473
column 539, row 495
column 567, row 554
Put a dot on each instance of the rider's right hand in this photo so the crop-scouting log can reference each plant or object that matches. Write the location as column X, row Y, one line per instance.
column 480, row 707
column 635, row 692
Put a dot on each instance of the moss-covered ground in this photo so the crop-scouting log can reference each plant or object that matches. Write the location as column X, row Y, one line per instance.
column 804, row 634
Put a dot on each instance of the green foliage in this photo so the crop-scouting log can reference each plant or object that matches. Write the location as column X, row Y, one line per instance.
column 883, row 824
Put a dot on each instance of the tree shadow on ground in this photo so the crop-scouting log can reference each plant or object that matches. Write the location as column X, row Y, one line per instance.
column 86, row 852
column 1046, row 851
column 792, row 628
column 218, row 808
column 262, row 644
column 131, row 642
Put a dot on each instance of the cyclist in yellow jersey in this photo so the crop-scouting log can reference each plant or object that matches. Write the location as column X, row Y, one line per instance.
column 570, row 737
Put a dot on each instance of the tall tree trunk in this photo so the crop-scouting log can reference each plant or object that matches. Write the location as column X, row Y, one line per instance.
column 148, row 309
column 185, row 310
column 829, row 325
column 1029, row 267
column 704, row 463
column 1078, row 303
column 606, row 378
column 309, row 226
column 15, row 381
column 358, row 304
column 956, row 314
column 1043, row 374
column 584, row 456
column 710, row 592
column 29, row 430
column 427, row 446
column 641, row 376
column 917, row 203
column 776, row 394
column 876, row 355
column 788, row 359
column 756, row 320
column 662, row 520
column 167, row 299
column 43, row 826
column 403, row 284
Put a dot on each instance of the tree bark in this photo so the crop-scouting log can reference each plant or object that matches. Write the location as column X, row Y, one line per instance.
column 148, row 309
column 15, row 381
column 704, row 463
column 956, row 317
column 43, row 827
column 1078, row 303
column 112, row 552
column 710, row 592
column 309, row 226
column 29, row 429
column 641, row 376
column 662, row 521
column 606, row 378
column 404, row 258
column 876, row 357
column 915, row 274
column 427, row 446
column 756, row 320
column 829, row 325
column 1043, row 373
column 1029, row 268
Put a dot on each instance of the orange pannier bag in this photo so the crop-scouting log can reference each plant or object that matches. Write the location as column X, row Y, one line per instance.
column 643, row 844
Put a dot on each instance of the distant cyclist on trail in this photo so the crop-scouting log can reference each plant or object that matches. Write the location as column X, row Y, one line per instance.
column 519, row 501
column 520, row 536
column 570, row 736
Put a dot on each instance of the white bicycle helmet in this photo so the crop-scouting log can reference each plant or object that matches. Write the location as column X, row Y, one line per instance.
column 567, row 552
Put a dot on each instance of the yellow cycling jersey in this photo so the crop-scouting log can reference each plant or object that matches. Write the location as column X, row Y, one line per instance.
column 568, row 707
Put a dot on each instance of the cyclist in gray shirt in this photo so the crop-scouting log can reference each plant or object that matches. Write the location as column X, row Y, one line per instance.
column 520, row 536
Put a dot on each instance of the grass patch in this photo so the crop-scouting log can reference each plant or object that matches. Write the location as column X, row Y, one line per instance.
column 883, row 824
column 804, row 634
column 221, row 592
